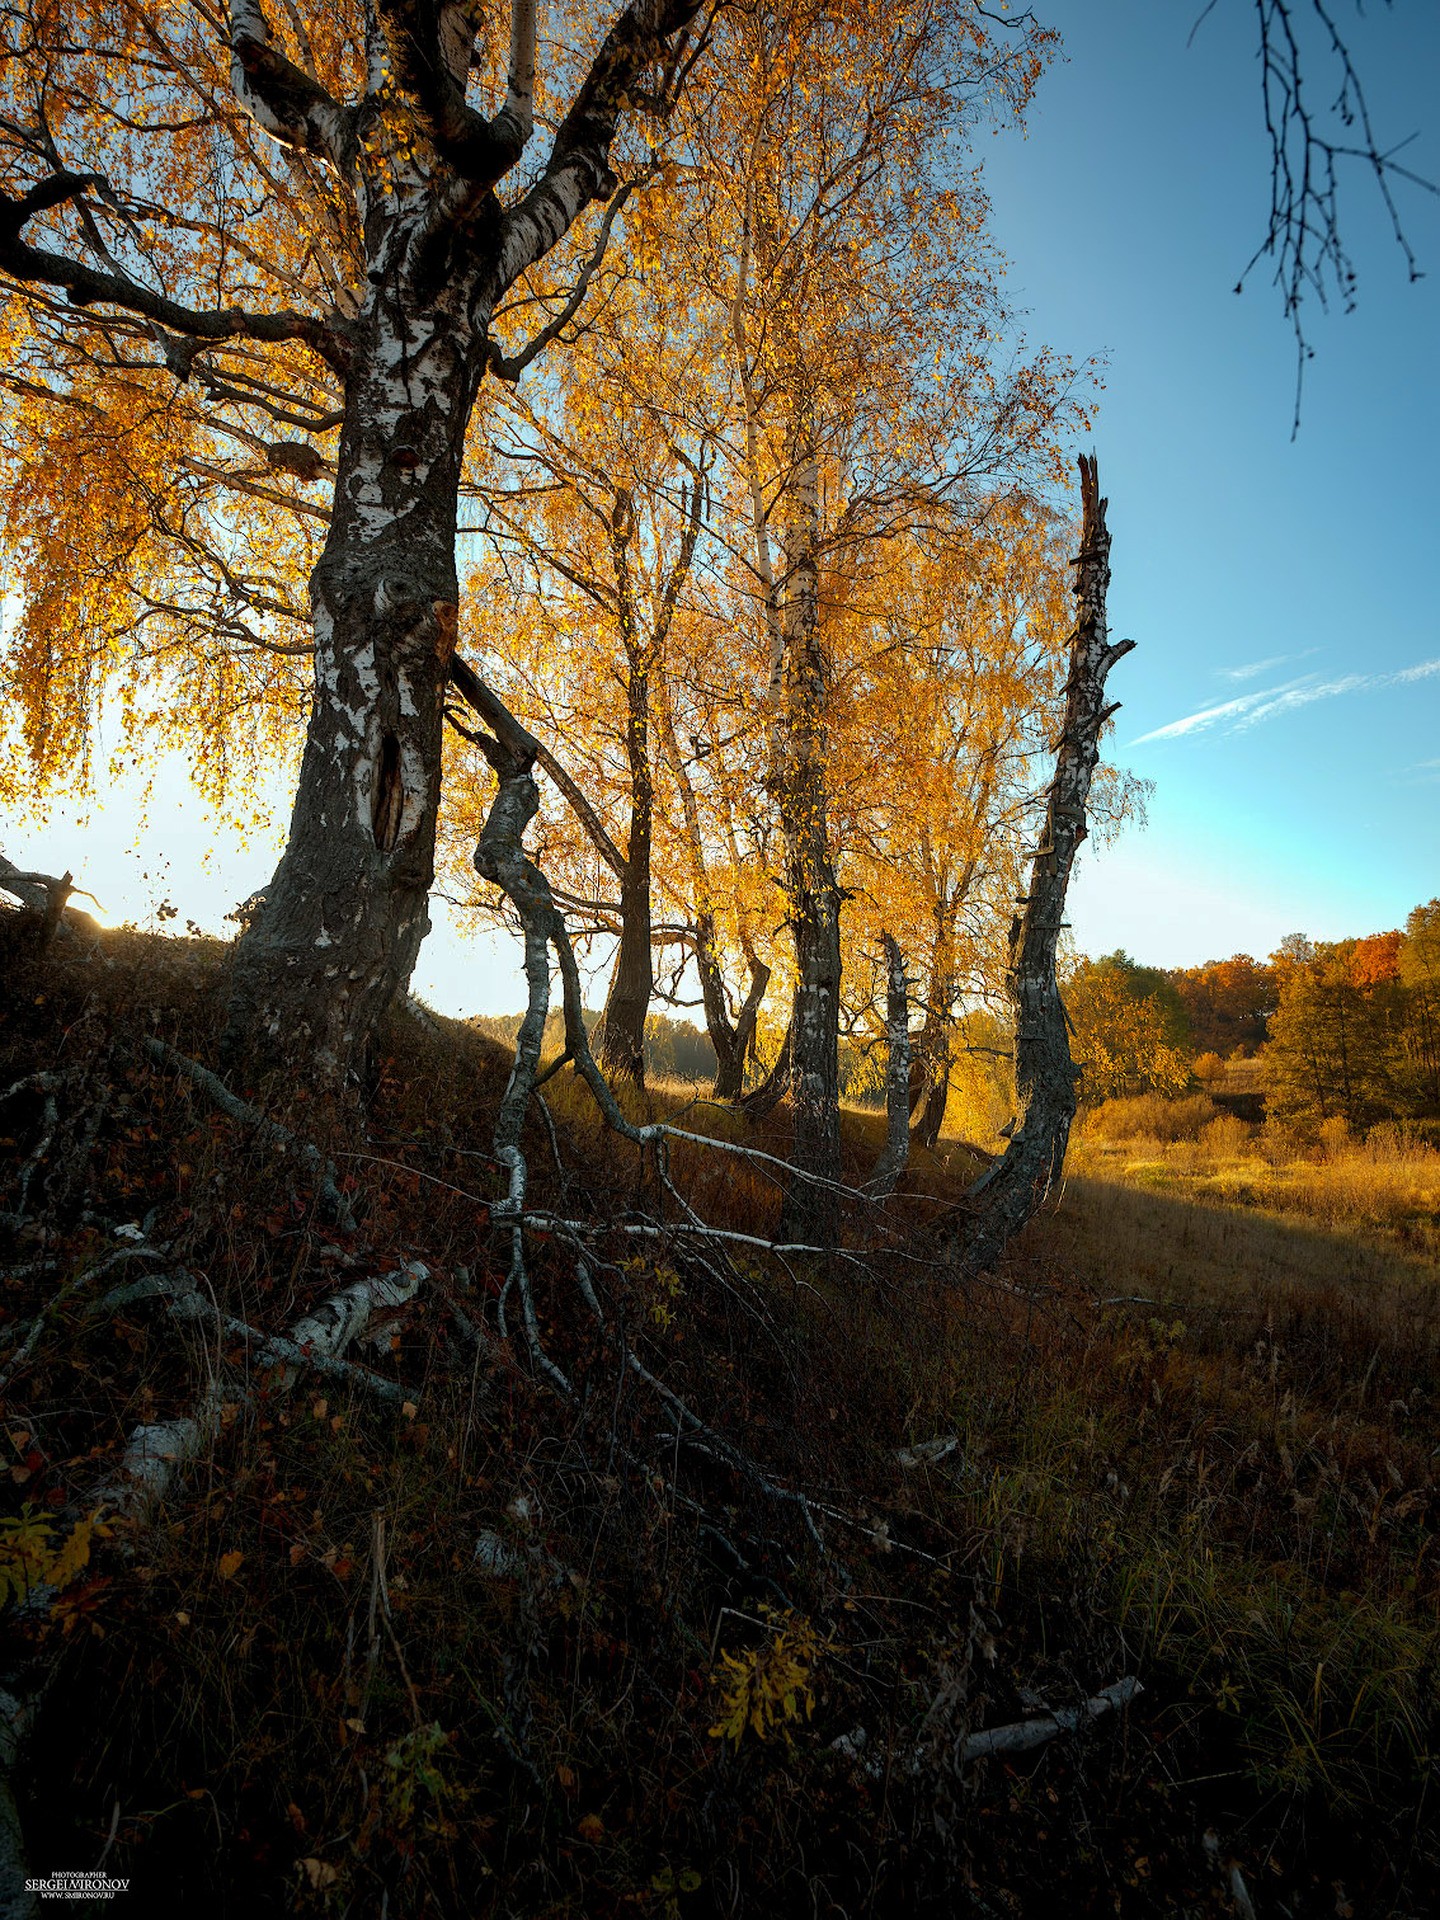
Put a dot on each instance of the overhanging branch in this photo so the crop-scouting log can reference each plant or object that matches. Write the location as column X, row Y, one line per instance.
column 87, row 286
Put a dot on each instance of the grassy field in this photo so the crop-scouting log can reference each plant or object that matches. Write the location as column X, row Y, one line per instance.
column 1383, row 1189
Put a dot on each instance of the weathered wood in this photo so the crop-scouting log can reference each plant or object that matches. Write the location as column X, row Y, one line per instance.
column 1016, row 1185
column 1021, row 1736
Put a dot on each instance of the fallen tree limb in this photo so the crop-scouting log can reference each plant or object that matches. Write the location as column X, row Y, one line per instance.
column 1017, row 1736
column 156, row 1452
column 1021, row 1735
column 334, row 1205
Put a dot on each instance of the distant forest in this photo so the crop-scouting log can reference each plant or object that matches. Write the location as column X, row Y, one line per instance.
column 1327, row 1030
column 1342, row 1029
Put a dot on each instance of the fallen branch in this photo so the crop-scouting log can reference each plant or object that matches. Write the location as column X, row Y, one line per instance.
column 156, row 1452
column 1018, row 1736
column 334, row 1205
column 1021, row 1735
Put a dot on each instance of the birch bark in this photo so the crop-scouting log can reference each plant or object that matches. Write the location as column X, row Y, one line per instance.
column 799, row 783
column 343, row 918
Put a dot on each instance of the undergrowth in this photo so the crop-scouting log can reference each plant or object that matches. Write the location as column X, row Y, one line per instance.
column 489, row 1650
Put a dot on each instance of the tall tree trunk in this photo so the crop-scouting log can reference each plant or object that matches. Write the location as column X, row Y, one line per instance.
column 930, row 1067
column 1016, row 1185
column 345, row 913
column 620, row 1042
column 799, row 778
column 896, row 1153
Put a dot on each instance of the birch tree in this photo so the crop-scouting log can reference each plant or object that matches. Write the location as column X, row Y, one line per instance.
column 319, row 218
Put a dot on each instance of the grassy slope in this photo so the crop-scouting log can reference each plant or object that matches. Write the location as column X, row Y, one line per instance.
column 1225, row 1485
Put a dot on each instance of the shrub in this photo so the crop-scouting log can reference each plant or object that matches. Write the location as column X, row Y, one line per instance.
column 1149, row 1116
column 1226, row 1136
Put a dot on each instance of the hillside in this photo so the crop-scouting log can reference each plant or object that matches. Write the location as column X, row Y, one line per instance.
column 692, row 1595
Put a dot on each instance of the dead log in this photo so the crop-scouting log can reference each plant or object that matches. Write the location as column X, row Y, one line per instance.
column 1016, row 1185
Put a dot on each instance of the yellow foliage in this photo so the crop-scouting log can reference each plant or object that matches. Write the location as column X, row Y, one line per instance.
column 30, row 1557
column 769, row 1687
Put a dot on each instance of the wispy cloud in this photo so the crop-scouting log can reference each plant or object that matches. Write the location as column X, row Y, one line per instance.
column 1249, row 709
column 1257, row 667
column 1229, row 714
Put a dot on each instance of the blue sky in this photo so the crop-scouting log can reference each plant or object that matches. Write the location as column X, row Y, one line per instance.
column 1293, row 577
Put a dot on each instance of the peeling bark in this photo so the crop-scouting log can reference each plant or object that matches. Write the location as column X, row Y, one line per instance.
column 1015, row 1186
column 341, row 923
column 346, row 911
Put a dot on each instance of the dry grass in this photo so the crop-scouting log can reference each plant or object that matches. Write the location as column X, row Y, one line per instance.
column 1384, row 1188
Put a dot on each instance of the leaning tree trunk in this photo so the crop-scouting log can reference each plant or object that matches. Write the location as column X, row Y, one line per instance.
column 1015, row 1186
column 930, row 1081
column 342, row 919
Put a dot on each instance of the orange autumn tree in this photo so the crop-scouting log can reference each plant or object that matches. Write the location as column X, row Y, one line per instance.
column 598, row 539
column 275, row 259
column 1129, row 1027
column 909, row 428
column 846, row 254
column 956, row 697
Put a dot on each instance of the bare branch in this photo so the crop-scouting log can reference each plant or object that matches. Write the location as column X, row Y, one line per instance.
column 86, row 286
column 510, row 366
